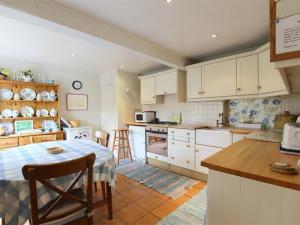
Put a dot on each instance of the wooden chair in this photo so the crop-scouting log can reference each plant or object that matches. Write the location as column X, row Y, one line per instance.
column 72, row 206
column 121, row 143
column 102, row 139
column 42, row 138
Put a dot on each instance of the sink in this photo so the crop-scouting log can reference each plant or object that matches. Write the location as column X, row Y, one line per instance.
column 214, row 136
column 216, row 128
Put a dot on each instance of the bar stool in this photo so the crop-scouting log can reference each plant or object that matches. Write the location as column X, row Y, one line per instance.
column 121, row 143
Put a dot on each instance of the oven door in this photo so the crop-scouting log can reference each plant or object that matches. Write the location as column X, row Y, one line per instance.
column 157, row 143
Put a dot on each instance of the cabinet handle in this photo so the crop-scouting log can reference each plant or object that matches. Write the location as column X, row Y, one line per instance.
column 188, row 133
column 172, row 143
column 200, row 92
column 172, row 132
column 258, row 87
column 155, row 157
column 153, row 96
column 196, row 150
column 188, row 146
column 238, row 89
column 166, row 93
column 172, row 157
column 187, row 161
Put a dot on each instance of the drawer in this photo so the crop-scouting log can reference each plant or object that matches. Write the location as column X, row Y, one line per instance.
column 203, row 152
column 181, row 146
column 181, row 133
column 9, row 142
column 158, row 157
column 182, row 159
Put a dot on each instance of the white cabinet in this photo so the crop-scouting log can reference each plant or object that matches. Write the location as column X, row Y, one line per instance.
column 270, row 79
column 181, row 148
column 219, row 79
column 166, row 83
column 214, row 138
column 202, row 152
column 148, row 90
column 247, row 75
column 137, row 142
column 194, row 83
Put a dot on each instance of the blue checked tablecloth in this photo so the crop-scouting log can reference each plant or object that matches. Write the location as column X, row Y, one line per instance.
column 14, row 190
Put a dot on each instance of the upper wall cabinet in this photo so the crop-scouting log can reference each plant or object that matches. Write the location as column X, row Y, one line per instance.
column 247, row 75
column 244, row 75
column 148, row 91
column 155, row 86
column 270, row 80
column 219, row 79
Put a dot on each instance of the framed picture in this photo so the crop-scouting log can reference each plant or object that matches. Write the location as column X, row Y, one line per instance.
column 23, row 125
column 77, row 102
column 284, row 29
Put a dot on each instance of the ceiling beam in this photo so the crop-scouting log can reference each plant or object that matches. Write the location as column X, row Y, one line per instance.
column 56, row 13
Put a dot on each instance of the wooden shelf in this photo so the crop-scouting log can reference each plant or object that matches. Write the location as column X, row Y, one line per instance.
column 27, row 101
column 27, row 83
column 28, row 118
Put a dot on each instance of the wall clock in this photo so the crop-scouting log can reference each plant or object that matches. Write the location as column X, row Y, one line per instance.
column 77, row 85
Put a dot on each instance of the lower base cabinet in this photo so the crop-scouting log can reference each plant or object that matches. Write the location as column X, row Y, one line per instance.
column 182, row 159
column 202, row 152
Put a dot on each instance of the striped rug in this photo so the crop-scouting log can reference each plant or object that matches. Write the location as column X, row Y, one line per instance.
column 166, row 182
column 190, row 213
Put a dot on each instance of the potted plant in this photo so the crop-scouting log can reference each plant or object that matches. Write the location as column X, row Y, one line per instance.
column 3, row 73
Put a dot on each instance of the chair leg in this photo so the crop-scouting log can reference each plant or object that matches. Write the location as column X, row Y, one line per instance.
column 119, row 149
column 103, row 189
column 95, row 186
column 109, row 201
column 3, row 221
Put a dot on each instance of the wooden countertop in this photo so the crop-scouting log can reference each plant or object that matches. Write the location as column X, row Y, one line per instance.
column 30, row 134
column 251, row 158
column 192, row 127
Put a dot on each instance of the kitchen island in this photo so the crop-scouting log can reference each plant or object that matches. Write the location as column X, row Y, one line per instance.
column 243, row 190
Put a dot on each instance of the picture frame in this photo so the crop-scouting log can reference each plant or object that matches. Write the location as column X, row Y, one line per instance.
column 23, row 125
column 76, row 102
column 284, row 22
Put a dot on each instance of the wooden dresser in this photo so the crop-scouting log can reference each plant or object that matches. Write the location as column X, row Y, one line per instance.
column 16, row 86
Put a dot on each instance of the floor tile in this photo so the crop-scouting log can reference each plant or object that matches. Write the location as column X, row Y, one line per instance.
column 148, row 219
column 193, row 191
column 164, row 210
column 100, row 213
column 149, row 202
column 131, row 213
column 114, row 221
column 120, row 202
column 123, row 185
column 134, row 194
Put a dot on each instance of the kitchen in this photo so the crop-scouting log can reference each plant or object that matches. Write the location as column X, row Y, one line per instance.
column 200, row 123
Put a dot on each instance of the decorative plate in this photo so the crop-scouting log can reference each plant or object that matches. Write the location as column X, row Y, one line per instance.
column 53, row 112
column 6, row 94
column 8, row 127
column 45, row 96
column 7, row 113
column 44, row 112
column 27, row 111
column 50, row 125
column 27, row 94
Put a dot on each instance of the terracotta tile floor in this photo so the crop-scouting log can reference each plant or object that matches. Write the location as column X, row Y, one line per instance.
column 136, row 204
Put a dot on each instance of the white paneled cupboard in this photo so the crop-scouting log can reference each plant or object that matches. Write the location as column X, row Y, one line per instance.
column 155, row 86
column 244, row 75
column 137, row 142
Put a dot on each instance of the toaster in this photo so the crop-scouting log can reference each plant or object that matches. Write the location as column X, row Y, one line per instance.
column 291, row 138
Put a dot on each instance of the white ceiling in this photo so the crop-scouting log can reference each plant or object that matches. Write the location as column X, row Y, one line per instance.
column 185, row 26
column 30, row 39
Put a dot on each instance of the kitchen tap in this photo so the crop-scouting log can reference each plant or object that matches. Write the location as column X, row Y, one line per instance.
column 222, row 120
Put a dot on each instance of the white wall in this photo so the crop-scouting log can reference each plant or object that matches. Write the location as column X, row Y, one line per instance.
column 65, row 77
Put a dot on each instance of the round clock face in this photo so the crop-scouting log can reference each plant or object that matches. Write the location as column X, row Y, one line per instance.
column 77, row 84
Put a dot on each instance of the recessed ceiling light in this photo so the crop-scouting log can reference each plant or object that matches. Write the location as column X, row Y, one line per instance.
column 168, row 1
column 72, row 55
column 122, row 66
column 214, row 36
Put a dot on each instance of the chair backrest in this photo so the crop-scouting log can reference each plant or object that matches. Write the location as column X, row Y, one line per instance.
column 43, row 172
column 104, row 138
column 42, row 138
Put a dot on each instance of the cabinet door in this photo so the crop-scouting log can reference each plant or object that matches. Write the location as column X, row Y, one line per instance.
column 194, row 82
column 247, row 75
column 137, row 142
column 270, row 79
column 203, row 152
column 219, row 79
column 166, row 83
column 148, row 90
column 182, row 159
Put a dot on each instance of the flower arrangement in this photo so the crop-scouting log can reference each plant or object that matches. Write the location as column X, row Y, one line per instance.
column 4, row 73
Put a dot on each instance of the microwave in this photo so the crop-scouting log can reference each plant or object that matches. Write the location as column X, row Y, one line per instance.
column 144, row 117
